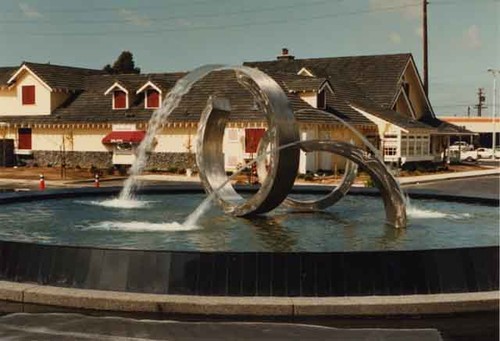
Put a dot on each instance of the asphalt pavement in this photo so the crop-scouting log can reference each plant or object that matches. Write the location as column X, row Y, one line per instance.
column 487, row 186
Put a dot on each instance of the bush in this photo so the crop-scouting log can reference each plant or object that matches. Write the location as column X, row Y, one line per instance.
column 111, row 170
column 309, row 176
column 369, row 182
column 172, row 169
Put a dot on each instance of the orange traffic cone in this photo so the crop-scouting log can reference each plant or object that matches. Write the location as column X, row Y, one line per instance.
column 42, row 182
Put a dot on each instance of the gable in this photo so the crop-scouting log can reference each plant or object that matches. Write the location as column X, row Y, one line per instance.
column 411, row 88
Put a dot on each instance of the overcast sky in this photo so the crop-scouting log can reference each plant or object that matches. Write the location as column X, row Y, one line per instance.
column 175, row 35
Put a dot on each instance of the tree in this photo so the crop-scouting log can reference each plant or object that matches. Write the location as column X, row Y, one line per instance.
column 124, row 64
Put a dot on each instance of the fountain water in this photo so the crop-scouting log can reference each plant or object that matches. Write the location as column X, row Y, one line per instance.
column 281, row 136
column 171, row 101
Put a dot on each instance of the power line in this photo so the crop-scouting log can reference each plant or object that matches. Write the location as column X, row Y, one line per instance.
column 216, row 27
column 113, row 9
column 195, row 16
column 225, row 26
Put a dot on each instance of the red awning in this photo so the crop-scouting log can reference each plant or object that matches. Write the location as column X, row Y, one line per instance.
column 124, row 136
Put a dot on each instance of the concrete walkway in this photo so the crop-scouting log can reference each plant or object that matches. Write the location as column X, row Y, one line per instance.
column 117, row 181
column 447, row 176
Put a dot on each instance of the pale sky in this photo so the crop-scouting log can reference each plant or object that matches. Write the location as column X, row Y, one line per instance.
column 179, row 35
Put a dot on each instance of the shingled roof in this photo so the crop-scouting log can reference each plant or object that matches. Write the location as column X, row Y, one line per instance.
column 377, row 76
column 90, row 105
column 5, row 74
column 60, row 77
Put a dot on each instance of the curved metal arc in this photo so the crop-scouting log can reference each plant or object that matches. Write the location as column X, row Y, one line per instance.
column 393, row 197
column 326, row 201
column 281, row 122
column 340, row 191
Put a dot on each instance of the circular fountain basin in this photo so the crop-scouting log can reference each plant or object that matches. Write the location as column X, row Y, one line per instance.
column 76, row 239
column 155, row 222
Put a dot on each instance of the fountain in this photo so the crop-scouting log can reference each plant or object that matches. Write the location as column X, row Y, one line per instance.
column 333, row 250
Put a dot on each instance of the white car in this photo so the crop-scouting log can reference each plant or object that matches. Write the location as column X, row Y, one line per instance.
column 496, row 154
column 462, row 146
column 484, row 153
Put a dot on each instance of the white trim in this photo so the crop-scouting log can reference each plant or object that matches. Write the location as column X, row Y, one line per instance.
column 419, row 81
column 25, row 68
column 305, row 72
column 148, row 83
column 116, row 85
column 374, row 118
column 326, row 84
column 408, row 103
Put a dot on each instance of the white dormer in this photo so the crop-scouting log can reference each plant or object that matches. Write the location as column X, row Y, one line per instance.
column 152, row 95
column 321, row 98
column 305, row 72
column 120, row 96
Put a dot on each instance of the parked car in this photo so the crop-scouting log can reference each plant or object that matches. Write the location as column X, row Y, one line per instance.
column 484, row 153
column 469, row 156
column 456, row 156
column 461, row 145
column 496, row 154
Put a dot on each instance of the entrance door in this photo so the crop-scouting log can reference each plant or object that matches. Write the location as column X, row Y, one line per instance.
column 24, row 141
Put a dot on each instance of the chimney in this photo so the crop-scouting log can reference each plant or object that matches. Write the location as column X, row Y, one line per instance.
column 284, row 55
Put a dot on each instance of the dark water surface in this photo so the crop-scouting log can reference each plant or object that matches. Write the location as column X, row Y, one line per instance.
column 355, row 223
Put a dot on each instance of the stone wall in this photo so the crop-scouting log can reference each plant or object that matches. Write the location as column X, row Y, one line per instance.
column 73, row 159
column 102, row 160
column 169, row 161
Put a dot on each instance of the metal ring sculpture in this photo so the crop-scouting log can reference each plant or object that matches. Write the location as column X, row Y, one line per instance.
column 282, row 141
column 350, row 173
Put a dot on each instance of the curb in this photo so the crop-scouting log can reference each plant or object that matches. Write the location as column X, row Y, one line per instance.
column 248, row 306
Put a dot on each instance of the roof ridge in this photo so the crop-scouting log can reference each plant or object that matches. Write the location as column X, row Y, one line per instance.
column 27, row 63
column 336, row 57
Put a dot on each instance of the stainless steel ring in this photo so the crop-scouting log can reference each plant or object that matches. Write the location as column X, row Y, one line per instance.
column 284, row 153
column 393, row 197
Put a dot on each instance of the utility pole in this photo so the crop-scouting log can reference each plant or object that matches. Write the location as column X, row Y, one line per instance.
column 480, row 98
column 494, row 109
column 468, row 111
column 425, row 43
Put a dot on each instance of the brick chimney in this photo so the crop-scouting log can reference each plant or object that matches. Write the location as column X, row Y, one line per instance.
column 284, row 55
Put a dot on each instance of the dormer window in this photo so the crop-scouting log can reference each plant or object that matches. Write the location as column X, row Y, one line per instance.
column 152, row 95
column 152, row 99
column 321, row 100
column 120, row 96
column 119, row 99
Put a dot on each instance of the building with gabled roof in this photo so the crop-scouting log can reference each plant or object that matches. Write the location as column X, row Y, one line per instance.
column 387, row 91
column 58, row 114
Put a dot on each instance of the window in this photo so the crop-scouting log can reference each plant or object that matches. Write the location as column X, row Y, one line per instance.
column 152, row 99
column 24, row 141
column 406, row 88
column 28, row 94
column 390, row 151
column 252, row 139
column 411, row 145
column 119, row 99
column 404, row 145
column 321, row 100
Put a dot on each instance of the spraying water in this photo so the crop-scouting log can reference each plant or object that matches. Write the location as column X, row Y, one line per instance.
column 192, row 219
column 169, row 104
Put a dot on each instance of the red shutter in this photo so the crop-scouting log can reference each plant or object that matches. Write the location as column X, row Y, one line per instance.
column 28, row 93
column 152, row 99
column 120, row 99
column 252, row 139
column 24, row 138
